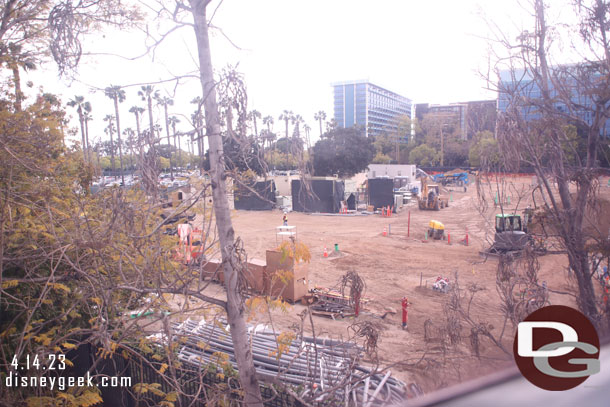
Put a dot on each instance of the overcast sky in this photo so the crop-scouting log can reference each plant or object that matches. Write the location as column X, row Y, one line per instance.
column 291, row 51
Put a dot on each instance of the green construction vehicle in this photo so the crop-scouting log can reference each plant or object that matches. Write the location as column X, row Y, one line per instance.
column 511, row 234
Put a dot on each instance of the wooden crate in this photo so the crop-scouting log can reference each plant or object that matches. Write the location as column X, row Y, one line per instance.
column 210, row 268
column 256, row 275
column 291, row 288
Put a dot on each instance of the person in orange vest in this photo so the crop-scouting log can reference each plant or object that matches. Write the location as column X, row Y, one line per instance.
column 285, row 219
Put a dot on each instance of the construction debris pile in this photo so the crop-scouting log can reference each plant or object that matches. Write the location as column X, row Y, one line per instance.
column 342, row 301
column 324, row 370
column 331, row 303
column 441, row 284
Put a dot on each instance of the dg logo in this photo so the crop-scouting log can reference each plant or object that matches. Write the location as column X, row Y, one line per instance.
column 556, row 348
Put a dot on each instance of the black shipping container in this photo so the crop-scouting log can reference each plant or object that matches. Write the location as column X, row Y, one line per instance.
column 327, row 196
column 381, row 192
column 262, row 200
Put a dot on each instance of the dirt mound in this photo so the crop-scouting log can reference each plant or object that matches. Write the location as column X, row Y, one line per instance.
column 455, row 171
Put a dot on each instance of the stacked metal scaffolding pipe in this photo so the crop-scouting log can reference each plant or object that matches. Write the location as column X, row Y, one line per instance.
column 321, row 369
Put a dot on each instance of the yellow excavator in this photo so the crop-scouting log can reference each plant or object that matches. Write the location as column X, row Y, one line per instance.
column 430, row 197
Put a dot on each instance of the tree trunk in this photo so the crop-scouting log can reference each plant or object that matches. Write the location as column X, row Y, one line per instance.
column 226, row 234
column 118, row 130
column 572, row 211
column 17, row 83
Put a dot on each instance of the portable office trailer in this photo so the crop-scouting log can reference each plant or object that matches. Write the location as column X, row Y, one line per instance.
column 391, row 171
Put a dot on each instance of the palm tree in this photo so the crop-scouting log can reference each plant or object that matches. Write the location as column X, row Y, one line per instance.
column 149, row 170
column 147, row 93
column 297, row 120
column 81, row 106
column 97, row 153
column 118, row 96
column 130, row 140
column 268, row 121
column 15, row 58
column 307, row 131
column 165, row 101
column 198, row 119
column 321, row 115
column 157, row 134
column 254, row 114
column 173, row 120
column 287, row 116
column 136, row 110
column 87, row 118
column 110, row 130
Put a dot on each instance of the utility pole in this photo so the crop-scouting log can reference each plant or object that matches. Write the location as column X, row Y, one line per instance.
column 443, row 145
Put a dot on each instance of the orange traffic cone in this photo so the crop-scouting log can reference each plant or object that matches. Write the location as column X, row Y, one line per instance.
column 385, row 231
column 325, row 252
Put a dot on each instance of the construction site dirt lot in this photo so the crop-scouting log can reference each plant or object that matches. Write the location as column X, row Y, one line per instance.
column 397, row 265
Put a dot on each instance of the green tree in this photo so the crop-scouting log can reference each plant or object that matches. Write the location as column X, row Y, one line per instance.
column 423, row 155
column 443, row 133
column 344, row 152
column 484, row 151
column 383, row 144
column 381, row 158
column 39, row 29
column 400, row 134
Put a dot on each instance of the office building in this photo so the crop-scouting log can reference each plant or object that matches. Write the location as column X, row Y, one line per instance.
column 471, row 117
column 374, row 108
column 518, row 89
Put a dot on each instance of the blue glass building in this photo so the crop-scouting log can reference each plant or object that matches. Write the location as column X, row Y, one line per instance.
column 373, row 107
column 516, row 86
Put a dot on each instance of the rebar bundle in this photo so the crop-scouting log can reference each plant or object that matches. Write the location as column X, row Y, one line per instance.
column 321, row 370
